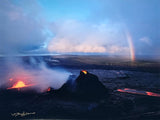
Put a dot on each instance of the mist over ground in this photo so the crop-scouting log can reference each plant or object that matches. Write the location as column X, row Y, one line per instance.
column 32, row 71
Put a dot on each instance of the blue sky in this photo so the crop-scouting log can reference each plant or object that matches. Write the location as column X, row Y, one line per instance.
column 79, row 26
column 56, row 9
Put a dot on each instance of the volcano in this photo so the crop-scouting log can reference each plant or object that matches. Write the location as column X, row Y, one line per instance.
column 85, row 86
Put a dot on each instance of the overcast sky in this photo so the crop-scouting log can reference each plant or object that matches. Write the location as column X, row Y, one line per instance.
column 79, row 26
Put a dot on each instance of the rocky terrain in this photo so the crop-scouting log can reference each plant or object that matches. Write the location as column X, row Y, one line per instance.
column 114, row 105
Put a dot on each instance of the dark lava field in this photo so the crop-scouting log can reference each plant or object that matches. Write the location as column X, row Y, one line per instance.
column 86, row 101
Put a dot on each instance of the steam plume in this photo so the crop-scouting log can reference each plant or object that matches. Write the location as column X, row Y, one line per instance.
column 35, row 72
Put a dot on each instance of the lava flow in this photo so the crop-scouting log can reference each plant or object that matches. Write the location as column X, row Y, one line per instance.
column 134, row 91
column 84, row 71
column 49, row 89
column 18, row 85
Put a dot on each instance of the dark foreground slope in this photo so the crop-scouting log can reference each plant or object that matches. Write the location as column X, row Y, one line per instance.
column 140, row 75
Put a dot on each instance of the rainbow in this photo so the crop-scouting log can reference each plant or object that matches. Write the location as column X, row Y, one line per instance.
column 131, row 46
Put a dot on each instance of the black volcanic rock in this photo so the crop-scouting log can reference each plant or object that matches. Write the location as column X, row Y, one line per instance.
column 87, row 86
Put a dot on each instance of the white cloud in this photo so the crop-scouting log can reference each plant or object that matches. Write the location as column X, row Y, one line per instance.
column 20, row 32
column 76, row 36
column 146, row 40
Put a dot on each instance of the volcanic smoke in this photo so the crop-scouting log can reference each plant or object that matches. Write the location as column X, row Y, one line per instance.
column 35, row 75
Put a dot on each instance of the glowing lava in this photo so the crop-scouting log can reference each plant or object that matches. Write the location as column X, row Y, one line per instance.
column 49, row 89
column 84, row 71
column 18, row 85
column 134, row 91
column 153, row 94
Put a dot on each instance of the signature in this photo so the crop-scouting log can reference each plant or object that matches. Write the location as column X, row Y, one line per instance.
column 22, row 114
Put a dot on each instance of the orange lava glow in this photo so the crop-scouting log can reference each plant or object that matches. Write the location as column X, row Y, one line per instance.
column 120, row 90
column 49, row 89
column 153, row 94
column 18, row 85
column 84, row 71
column 134, row 91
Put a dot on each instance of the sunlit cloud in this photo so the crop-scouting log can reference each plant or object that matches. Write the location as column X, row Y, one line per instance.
column 76, row 36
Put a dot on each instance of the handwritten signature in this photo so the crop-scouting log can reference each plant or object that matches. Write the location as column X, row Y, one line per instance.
column 22, row 114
